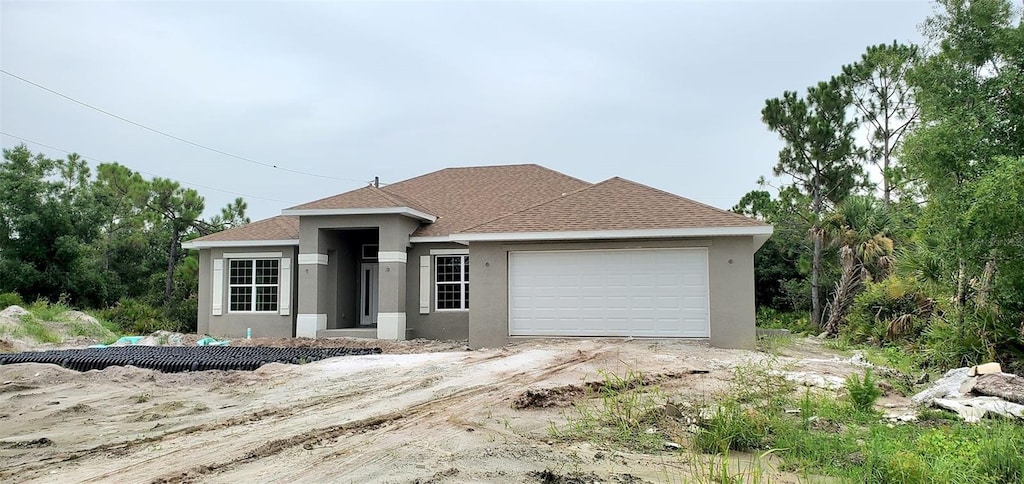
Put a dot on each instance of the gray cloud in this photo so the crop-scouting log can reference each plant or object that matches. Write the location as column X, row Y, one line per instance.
column 664, row 93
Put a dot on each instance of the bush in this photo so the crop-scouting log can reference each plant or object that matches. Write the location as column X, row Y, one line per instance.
column 796, row 321
column 893, row 309
column 8, row 299
column 984, row 335
column 863, row 393
column 133, row 316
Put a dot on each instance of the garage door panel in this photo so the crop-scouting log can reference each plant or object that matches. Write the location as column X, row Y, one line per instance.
column 657, row 292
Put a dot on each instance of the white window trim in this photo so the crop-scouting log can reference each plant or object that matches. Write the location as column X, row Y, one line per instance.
column 362, row 251
column 254, row 285
column 462, row 284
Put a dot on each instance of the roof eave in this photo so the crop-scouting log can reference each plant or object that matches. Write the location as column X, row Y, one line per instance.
column 214, row 244
column 761, row 233
column 406, row 211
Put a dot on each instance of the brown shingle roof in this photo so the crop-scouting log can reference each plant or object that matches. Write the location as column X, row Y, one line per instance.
column 511, row 198
column 280, row 227
column 366, row 197
column 614, row 204
column 464, row 197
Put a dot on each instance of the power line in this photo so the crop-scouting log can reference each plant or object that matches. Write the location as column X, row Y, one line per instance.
column 97, row 160
column 171, row 136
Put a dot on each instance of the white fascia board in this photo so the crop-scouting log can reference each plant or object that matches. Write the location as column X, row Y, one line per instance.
column 437, row 239
column 408, row 212
column 763, row 231
column 213, row 244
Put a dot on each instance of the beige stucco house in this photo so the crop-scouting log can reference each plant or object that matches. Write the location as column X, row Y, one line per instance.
column 545, row 254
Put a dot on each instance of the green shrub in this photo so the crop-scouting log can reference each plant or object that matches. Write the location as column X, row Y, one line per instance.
column 47, row 311
column 797, row 322
column 985, row 334
column 863, row 393
column 133, row 316
column 893, row 309
column 8, row 299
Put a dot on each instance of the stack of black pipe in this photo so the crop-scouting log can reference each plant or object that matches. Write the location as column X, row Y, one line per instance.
column 180, row 358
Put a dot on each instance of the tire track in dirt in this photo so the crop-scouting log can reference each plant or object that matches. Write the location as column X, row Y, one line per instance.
column 411, row 416
column 269, row 416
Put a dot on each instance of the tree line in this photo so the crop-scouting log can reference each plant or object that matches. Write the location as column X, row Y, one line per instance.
column 931, row 255
column 100, row 239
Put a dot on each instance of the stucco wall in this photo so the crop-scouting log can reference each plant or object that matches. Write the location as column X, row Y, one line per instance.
column 731, row 275
column 320, row 285
column 233, row 325
column 437, row 324
column 731, row 279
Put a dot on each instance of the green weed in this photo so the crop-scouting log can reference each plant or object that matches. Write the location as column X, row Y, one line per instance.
column 625, row 412
column 863, row 392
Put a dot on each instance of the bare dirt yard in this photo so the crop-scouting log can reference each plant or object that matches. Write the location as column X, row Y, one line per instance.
column 420, row 412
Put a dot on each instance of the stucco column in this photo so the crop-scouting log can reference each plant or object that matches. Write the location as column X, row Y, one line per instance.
column 313, row 283
column 392, row 257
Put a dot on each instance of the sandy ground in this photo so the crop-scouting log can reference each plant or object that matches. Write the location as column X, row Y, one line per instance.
column 403, row 416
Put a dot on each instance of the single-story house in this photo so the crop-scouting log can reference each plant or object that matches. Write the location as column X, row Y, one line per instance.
column 547, row 254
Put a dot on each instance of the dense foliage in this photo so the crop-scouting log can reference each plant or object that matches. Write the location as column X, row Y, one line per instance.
column 931, row 256
column 106, row 240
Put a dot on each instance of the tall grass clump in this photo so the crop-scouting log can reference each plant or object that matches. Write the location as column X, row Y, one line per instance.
column 863, row 392
column 627, row 408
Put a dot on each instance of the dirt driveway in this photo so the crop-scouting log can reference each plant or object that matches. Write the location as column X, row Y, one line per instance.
column 426, row 417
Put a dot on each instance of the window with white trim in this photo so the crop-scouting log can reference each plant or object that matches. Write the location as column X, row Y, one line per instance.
column 252, row 285
column 452, row 280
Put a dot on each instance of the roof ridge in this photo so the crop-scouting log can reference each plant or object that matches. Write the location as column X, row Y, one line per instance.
column 702, row 204
column 405, row 199
column 540, row 204
column 328, row 197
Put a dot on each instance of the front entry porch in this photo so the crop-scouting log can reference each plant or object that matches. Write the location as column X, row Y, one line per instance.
column 352, row 277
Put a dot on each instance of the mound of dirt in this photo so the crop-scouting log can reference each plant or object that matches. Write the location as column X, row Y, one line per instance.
column 562, row 396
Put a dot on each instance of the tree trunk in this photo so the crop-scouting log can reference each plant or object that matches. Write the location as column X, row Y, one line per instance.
column 961, row 290
column 816, row 261
column 847, row 287
column 171, row 259
column 886, row 183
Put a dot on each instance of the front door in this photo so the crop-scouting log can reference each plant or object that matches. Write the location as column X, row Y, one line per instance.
column 368, row 293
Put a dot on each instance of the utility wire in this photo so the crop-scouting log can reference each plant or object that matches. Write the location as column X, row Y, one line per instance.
column 97, row 160
column 171, row 136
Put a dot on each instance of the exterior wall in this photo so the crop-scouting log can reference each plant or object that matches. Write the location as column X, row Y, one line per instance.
column 234, row 325
column 731, row 275
column 731, row 281
column 318, row 280
column 446, row 325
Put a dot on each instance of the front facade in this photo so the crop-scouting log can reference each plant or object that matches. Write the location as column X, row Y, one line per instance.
column 548, row 256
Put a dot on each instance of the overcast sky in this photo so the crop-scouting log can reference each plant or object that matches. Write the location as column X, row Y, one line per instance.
column 668, row 94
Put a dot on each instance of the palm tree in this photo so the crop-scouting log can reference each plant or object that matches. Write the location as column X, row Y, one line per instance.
column 861, row 229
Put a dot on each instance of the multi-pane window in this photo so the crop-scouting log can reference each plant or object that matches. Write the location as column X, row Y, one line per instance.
column 253, row 284
column 452, row 282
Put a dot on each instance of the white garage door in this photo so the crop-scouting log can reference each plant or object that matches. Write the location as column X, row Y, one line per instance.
column 652, row 292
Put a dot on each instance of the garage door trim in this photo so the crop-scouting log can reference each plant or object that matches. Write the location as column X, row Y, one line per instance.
column 707, row 282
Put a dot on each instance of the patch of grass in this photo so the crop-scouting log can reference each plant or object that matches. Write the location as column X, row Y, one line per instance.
column 774, row 343
column 8, row 299
column 625, row 412
column 47, row 311
column 733, row 427
column 36, row 330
